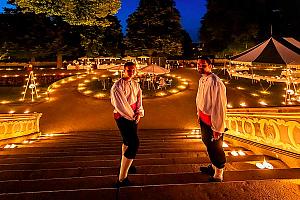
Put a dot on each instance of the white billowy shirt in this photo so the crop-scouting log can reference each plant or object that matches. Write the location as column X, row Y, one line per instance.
column 211, row 100
column 123, row 95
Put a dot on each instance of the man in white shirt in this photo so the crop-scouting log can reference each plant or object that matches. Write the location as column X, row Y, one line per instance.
column 211, row 104
column 126, row 97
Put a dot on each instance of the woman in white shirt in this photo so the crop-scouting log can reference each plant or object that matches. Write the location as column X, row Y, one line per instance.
column 126, row 97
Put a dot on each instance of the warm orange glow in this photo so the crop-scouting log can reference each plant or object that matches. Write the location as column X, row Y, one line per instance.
column 181, row 87
column 229, row 106
column 234, row 153
column 161, row 94
column 81, row 88
column 264, row 92
column 173, row 91
column 5, row 102
column 264, row 165
column 88, row 92
column 100, row 95
column 241, row 153
column 224, row 145
column 263, row 103
column 243, row 104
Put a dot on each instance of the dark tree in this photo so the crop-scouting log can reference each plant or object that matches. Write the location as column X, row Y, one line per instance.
column 232, row 26
column 29, row 36
column 102, row 41
column 154, row 28
column 75, row 12
column 187, row 45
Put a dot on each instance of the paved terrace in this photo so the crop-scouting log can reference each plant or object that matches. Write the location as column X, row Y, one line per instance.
column 71, row 111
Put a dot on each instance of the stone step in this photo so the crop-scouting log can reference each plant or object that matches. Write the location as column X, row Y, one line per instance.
column 116, row 161
column 101, row 171
column 98, row 151
column 94, row 182
column 24, row 159
column 235, row 190
column 79, row 194
column 117, row 134
column 185, row 142
column 101, row 133
column 111, row 139
column 105, row 147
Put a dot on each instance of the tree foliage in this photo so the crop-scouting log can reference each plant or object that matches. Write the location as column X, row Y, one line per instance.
column 75, row 12
column 102, row 41
column 232, row 26
column 28, row 36
column 155, row 28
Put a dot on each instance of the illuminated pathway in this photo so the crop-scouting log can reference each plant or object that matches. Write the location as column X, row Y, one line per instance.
column 71, row 111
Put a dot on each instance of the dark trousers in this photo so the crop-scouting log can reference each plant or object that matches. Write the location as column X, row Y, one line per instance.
column 214, row 148
column 128, row 130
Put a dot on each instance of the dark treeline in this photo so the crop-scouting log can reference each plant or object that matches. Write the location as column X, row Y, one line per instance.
column 231, row 26
column 154, row 29
column 35, row 37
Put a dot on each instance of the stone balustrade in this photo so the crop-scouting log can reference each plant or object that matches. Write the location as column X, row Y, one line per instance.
column 17, row 125
column 272, row 127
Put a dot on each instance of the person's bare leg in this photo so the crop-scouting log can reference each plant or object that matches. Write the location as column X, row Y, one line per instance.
column 125, row 165
column 124, row 148
column 218, row 173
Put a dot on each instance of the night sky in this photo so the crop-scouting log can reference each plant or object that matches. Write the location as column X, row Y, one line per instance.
column 191, row 12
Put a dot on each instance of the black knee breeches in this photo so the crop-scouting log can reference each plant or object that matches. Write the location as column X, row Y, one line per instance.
column 128, row 131
column 214, row 148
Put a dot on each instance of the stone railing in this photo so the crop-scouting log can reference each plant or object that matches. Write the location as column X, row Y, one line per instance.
column 17, row 125
column 273, row 127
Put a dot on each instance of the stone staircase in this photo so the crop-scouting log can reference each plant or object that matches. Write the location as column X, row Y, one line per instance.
column 84, row 165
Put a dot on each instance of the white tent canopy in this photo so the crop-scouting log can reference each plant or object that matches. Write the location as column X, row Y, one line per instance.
column 154, row 69
column 270, row 52
column 293, row 41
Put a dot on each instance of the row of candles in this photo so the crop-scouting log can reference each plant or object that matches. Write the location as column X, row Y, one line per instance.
column 34, row 85
column 262, row 102
column 82, row 87
column 29, row 141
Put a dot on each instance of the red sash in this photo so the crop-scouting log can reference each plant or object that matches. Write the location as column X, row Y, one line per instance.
column 118, row 115
column 205, row 118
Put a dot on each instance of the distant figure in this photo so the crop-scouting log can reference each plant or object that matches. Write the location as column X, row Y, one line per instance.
column 162, row 83
column 211, row 110
column 29, row 67
column 126, row 97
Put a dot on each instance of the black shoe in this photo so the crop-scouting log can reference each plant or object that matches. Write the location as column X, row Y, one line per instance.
column 124, row 183
column 216, row 180
column 207, row 170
